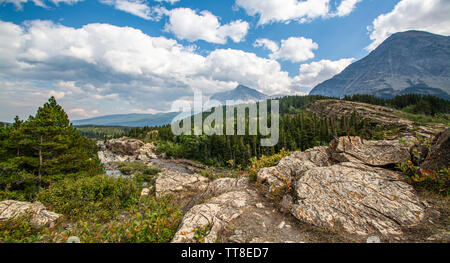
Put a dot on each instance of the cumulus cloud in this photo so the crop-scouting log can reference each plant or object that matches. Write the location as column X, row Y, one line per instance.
column 294, row 49
column 244, row 67
column 346, row 7
column 267, row 44
column 270, row 11
column 168, row 1
column 185, row 23
column 115, row 69
column 137, row 7
column 285, row 10
column 41, row 3
column 428, row 15
column 317, row 72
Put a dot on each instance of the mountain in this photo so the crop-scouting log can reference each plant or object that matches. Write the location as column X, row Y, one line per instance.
column 406, row 62
column 130, row 120
column 241, row 93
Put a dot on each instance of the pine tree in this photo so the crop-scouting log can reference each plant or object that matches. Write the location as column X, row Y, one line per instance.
column 47, row 148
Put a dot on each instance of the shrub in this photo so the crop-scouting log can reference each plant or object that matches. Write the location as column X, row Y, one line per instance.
column 257, row 164
column 129, row 168
column 152, row 221
column 101, row 195
column 19, row 230
column 435, row 181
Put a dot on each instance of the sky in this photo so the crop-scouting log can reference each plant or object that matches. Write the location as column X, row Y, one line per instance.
column 101, row 57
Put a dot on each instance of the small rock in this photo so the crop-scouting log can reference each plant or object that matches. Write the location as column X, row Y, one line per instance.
column 145, row 192
column 281, row 225
column 73, row 239
column 373, row 239
column 259, row 205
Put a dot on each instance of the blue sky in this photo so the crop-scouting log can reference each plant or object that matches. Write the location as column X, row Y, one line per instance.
column 122, row 56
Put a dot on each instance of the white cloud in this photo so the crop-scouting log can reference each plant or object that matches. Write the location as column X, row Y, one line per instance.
column 266, row 43
column 92, row 67
column 78, row 113
column 57, row 94
column 428, row 15
column 41, row 3
column 285, row 10
column 346, row 7
column 137, row 7
column 295, row 49
column 186, row 24
column 168, row 1
column 301, row 11
column 317, row 72
column 247, row 68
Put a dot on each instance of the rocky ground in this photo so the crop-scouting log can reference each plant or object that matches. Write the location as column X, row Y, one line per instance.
column 384, row 116
column 344, row 192
column 340, row 193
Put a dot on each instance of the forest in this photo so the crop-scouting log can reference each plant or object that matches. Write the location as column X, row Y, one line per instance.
column 299, row 130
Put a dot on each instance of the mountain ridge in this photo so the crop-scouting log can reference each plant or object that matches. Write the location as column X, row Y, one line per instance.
column 129, row 120
column 414, row 60
column 240, row 93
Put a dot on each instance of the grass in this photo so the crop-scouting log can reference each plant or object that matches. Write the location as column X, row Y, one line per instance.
column 424, row 119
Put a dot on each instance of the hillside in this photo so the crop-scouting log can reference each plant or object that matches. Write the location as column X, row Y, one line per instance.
column 407, row 62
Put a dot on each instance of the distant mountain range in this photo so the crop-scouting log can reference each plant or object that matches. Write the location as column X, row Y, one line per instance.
column 241, row 93
column 407, row 62
column 129, row 120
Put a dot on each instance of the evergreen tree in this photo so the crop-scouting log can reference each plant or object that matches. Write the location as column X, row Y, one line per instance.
column 45, row 148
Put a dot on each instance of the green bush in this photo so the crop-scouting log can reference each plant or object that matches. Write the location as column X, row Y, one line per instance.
column 257, row 164
column 129, row 168
column 19, row 230
column 152, row 221
column 102, row 196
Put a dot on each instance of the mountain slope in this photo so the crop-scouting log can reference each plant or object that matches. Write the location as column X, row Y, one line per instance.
column 130, row 120
column 241, row 92
column 407, row 62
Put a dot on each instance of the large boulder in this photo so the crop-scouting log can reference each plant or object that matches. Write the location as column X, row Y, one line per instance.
column 212, row 216
column 279, row 178
column 341, row 186
column 124, row 146
column 438, row 156
column 374, row 153
column 126, row 150
column 39, row 216
column 358, row 198
column 183, row 187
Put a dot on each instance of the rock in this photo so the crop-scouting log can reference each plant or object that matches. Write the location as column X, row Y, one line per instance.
column 223, row 185
column 124, row 146
column 126, row 150
column 259, row 205
column 374, row 153
column 373, row 239
column 182, row 186
column 380, row 116
column 145, row 192
column 213, row 215
column 40, row 217
column 440, row 237
column 73, row 239
column 286, row 204
column 357, row 198
column 279, row 178
column 439, row 155
column 147, row 152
